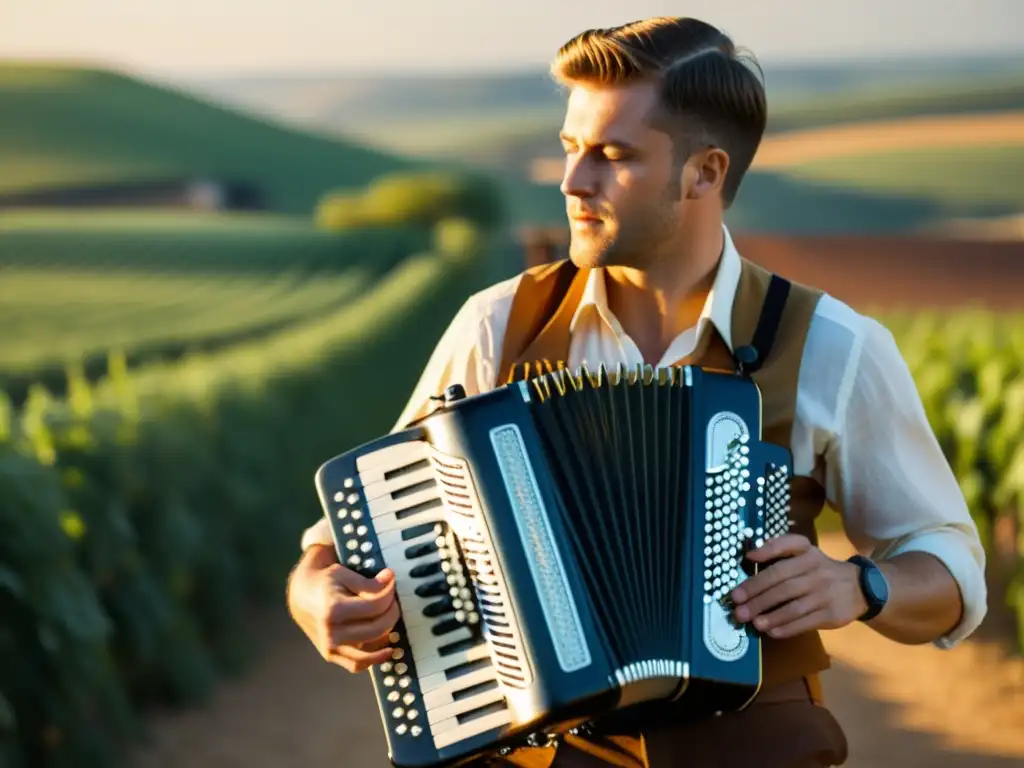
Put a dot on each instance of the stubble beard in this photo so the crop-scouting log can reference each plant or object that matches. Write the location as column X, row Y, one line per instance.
column 636, row 245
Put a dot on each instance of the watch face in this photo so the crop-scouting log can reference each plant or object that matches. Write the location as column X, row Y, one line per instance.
column 877, row 584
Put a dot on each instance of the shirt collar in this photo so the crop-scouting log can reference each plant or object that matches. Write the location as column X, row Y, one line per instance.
column 717, row 307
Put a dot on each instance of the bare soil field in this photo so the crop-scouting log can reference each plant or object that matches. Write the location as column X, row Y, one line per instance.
column 871, row 272
column 786, row 149
column 899, row 272
column 904, row 707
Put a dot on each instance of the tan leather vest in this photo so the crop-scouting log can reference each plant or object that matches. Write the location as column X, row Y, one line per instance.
column 537, row 339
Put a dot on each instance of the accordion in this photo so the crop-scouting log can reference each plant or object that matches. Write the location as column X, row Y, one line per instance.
column 564, row 548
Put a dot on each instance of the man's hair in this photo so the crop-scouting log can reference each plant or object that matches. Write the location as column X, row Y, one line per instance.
column 708, row 96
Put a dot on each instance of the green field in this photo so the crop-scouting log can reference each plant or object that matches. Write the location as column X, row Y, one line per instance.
column 175, row 242
column 53, row 318
column 157, row 285
column 954, row 177
column 887, row 102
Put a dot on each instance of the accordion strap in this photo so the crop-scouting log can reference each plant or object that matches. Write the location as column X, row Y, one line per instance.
column 541, row 311
column 750, row 358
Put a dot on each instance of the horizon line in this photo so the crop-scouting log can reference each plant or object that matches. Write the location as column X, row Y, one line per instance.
column 462, row 71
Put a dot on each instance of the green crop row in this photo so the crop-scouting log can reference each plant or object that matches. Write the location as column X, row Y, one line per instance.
column 969, row 368
column 140, row 515
column 160, row 284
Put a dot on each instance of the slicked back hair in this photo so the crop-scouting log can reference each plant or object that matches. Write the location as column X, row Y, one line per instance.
column 708, row 95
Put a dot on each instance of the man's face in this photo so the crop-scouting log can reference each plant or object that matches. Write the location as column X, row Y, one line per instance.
column 621, row 181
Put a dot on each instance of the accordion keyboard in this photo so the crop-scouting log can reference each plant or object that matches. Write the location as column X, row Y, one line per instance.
column 440, row 683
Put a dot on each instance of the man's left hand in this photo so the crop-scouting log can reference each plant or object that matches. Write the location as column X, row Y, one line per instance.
column 805, row 590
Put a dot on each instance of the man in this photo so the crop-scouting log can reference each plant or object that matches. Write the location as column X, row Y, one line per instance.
column 663, row 119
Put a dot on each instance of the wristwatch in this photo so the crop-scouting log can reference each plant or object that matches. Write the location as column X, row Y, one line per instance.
column 873, row 584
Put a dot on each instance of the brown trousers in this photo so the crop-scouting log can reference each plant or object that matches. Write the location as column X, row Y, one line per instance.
column 786, row 727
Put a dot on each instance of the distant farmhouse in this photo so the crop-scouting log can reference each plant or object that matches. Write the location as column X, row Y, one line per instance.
column 197, row 194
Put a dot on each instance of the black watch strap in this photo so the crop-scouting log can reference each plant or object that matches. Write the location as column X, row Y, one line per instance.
column 872, row 585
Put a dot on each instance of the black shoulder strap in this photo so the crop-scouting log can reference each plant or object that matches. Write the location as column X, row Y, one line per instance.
column 752, row 357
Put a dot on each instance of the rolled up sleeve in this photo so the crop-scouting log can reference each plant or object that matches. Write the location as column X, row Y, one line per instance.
column 888, row 478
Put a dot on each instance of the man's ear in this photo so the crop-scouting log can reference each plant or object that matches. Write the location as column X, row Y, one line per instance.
column 704, row 173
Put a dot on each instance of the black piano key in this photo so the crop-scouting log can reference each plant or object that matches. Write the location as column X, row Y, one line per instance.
column 423, row 571
column 415, row 531
column 446, row 626
column 459, row 645
column 432, row 588
column 439, row 608
column 419, row 550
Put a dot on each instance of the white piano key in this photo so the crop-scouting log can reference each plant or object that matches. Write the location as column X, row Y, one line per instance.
column 391, row 539
column 448, row 712
column 394, row 456
column 450, row 731
column 396, row 547
column 420, row 638
column 403, row 567
column 407, row 589
column 391, row 522
column 430, row 665
column 384, row 487
column 384, row 505
column 412, row 615
column 437, row 689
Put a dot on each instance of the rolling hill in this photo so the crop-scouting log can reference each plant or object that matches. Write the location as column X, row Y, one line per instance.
column 70, row 127
column 62, row 126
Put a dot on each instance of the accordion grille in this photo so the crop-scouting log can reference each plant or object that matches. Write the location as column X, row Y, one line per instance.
column 499, row 624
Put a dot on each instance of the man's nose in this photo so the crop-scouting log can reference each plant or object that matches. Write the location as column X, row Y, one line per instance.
column 579, row 179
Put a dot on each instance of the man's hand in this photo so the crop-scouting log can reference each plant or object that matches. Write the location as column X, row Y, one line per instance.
column 346, row 616
column 805, row 590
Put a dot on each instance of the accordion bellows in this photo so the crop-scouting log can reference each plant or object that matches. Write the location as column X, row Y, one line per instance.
column 564, row 548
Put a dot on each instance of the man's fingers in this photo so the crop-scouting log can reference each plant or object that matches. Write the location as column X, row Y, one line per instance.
column 781, row 593
column 351, row 633
column 357, row 659
column 377, row 643
column 362, row 586
column 345, row 608
column 789, row 545
column 768, row 578
column 786, row 611
column 807, row 622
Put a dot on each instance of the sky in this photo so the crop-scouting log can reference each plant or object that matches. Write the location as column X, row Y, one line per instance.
column 235, row 37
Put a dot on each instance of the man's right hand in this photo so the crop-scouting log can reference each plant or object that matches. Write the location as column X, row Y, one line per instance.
column 346, row 616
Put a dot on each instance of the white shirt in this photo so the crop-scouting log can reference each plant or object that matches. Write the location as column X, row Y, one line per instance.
column 860, row 428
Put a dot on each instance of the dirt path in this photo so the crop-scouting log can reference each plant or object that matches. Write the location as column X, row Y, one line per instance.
column 901, row 706
column 786, row 149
